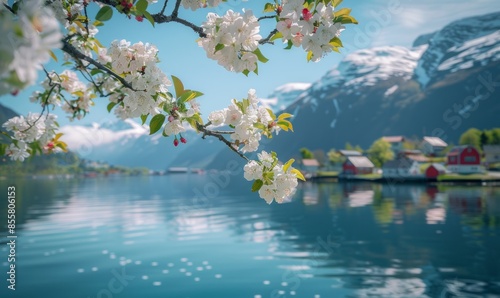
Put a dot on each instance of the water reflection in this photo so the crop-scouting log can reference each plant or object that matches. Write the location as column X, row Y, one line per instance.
column 331, row 240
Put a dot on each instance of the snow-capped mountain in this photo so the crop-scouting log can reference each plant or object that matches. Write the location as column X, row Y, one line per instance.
column 463, row 44
column 284, row 95
column 124, row 143
column 367, row 67
column 429, row 89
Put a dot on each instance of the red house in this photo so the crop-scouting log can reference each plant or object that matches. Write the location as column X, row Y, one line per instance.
column 355, row 165
column 464, row 159
column 435, row 170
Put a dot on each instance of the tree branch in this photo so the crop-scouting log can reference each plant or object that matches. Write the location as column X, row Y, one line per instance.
column 176, row 8
column 161, row 18
column 164, row 7
column 75, row 53
column 218, row 135
column 266, row 17
column 266, row 40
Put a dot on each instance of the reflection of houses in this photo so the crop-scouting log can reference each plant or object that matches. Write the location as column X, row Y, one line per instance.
column 433, row 145
column 402, row 167
column 491, row 154
column 396, row 142
column 434, row 170
column 464, row 159
column 356, row 165
column 466, row 200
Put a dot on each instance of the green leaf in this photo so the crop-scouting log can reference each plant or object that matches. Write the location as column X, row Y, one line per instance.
column 246, row 72
column 144, row 118
column 290, row 45
column 141, row 6
column 336, row 42
column 260, row 126
column 95, row 71
column 284, row 116
column 111, row 105
column 288, row 164
column 309, row 55
column 219, row 47
column 276, row 36
column 260, row 56
column 53, row 56
column 336, row 3
column 149, row 17
column 104, row 14
column 257, row 185
column 298, row 174
column 342, row 12
column 189, row 95
column 3, row 148
column 348, row 20
column 273, row 116
column 156, row 123
column 178, row 86
column 285, row 125
column 269, row 7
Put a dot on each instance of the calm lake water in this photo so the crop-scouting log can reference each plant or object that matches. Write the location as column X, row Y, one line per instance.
column 196, row 236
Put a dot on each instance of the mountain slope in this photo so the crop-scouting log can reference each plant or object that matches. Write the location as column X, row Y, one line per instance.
column 463, row 44
column 441, row 88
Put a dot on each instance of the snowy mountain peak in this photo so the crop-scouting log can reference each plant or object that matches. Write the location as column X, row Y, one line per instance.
column 461, row 45
column 284, row 95
column 368, row 66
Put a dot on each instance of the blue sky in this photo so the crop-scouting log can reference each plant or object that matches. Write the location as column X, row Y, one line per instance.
column 381, row 22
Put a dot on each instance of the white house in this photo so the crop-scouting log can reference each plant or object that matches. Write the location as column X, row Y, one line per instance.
column 401, row 168
column 491, row 154
column 396, row 143
column 433, row 145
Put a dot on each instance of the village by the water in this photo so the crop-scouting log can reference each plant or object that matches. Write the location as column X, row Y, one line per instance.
column 429, row 160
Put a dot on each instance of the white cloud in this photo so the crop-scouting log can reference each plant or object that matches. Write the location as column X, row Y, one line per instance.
column 81, row 138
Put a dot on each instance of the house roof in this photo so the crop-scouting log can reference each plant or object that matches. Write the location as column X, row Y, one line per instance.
column 435, row 141
column 360, row 161
column 349, row 153
column 491, row 149
column 310, row 162
column 438, row 166
column 400, row 163
column 459, row 149
column 394, row 139
column 418, row 157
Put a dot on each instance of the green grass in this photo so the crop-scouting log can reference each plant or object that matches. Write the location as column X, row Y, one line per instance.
column 327, row 174
column 372, row 176
column 473, row 177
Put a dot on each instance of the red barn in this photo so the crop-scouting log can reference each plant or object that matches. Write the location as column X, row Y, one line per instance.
column 435, row 170
column 355, row 165
column 464, row 159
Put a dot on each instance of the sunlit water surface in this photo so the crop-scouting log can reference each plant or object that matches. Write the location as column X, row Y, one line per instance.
column 205, row 236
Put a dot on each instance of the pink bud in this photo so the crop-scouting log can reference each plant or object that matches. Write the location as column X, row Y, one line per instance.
column 183, row 140
column 306, row 14
column 139, row 18
column 176, row 142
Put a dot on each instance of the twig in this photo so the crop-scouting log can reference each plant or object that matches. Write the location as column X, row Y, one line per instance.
column 207, row 132
column 75, row 53
column 164, row 7
column 176, row 8
column 161, row 18
column 266, row 17
column 9, row 8
column 266, row 40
